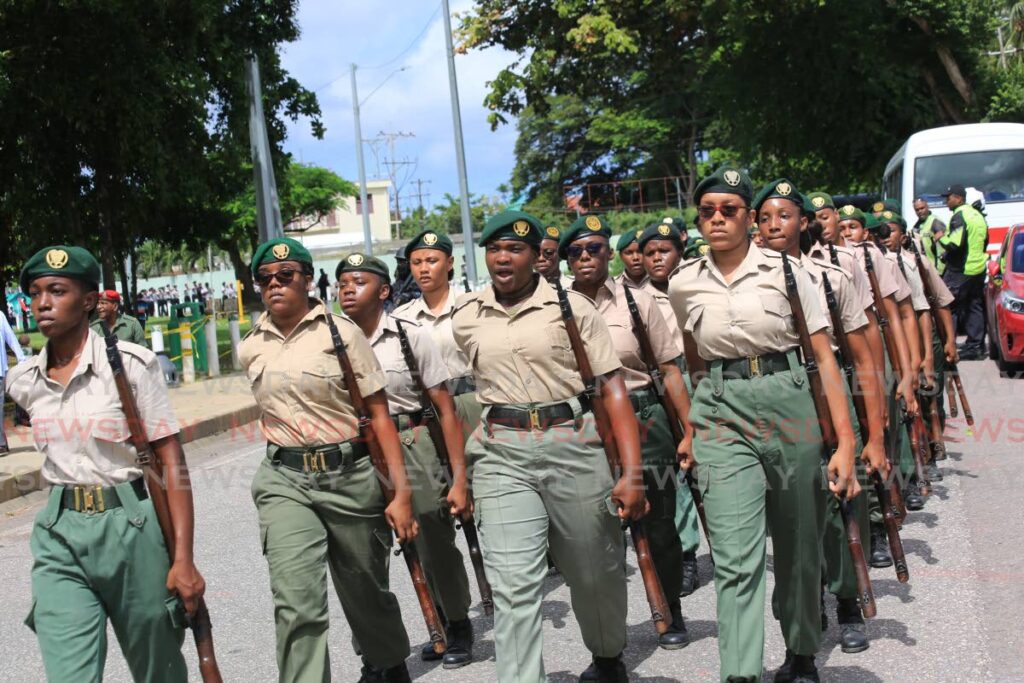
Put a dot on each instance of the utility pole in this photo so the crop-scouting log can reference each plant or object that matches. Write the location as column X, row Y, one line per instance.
column 364, row 203
column 392, row 165
column 460, row 150
column 419, row 192
column 268, row 209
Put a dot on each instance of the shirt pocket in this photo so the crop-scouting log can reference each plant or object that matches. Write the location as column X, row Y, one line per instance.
column 321, row 382
column 693, row 317
column 255, row 373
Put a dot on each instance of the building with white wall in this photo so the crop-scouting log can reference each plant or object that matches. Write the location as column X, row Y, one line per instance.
column 344, row 226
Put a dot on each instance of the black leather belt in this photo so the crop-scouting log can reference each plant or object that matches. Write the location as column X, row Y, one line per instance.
column 317, row 459
column 407, row 420
column 642, row 399
column 753, row 366
column 97, row 498
column 458, row 386
column 525, row 419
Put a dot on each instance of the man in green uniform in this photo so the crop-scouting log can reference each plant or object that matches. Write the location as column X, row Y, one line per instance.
column 363, row 287
column 965, row 246
column 930, row 230
column 97, row 544
column 124, row 327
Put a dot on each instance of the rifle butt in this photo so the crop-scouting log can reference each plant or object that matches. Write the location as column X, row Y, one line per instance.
column 202, row 634
column 477, row 559
column 954, row 411
column 938, row 450
column 919, row 443
column 660, row 612
column 698, row 502
column 892, row 529
column 435, row 629
column 968, row 415
column 865, row 596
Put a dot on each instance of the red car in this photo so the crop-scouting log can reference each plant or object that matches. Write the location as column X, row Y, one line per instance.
column 1004, row 302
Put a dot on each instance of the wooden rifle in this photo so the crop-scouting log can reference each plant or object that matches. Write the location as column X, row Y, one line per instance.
column 145, row 457
column 660, row 612
column 435, row 629
column 658, row 381
column 865, row 596
column 892, row 529
column 433, row 424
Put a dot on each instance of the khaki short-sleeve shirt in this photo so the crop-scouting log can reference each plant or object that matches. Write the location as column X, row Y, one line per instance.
column 749, row 316
column 887, row 285
column 623, row 280
column 908, row 271
column 943, row 297
column 297, row 381
column 81, row 428
column 440, row 328
column 667, row 312
column 403, row 389
column 851, row 315
column 612, row 305
column 848, row 262
column 522, row 354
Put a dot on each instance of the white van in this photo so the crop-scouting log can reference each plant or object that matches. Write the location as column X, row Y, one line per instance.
column 985, row 156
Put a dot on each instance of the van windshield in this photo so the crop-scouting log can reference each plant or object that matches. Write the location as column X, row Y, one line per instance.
column 999, row 174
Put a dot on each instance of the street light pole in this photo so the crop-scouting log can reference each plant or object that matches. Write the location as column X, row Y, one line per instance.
column 363, row 202
column 460, row 149
column 268, row 208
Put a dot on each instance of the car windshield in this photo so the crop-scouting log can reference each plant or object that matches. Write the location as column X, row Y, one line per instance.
column 998, row 174
column 1017, row 250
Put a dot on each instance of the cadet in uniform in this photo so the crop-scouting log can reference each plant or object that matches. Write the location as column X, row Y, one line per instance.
column 549, row 265
column 97, row 545
column 662, row 247
column 586, row 247
column 432, row 265
column 540, row 479
column 633, row 272
column 733, row 302
column 316, row 492
column 783, row 221
column 124, row 327
column 363, row 287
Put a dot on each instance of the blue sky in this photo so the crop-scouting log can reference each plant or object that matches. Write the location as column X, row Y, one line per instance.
column 335, row 34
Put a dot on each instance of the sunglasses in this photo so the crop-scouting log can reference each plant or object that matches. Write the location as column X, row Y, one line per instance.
column 283, row 276
column 727, row 210
column 548, row 253
column 576, row 250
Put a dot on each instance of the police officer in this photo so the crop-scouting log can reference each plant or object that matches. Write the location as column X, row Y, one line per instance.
column 662, row 247
column 97, row 545
column 540, row 479
column 733, row 302
column 316, row 492
column 433, row 267
column 364, row 286
column 929, row 229
column 124, row 327
column 965, row 244
column 783, row 220
column 585, row 245
column 633, row 272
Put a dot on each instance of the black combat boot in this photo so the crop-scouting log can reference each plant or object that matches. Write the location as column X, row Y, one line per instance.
column 880, row 556
column 852, row 637
column 396, row 674
column 690, row 578
column 797, row 669
column 912, row 497
column 606, row 670
column 427, row 654
column 460, row 644
column 676, row 637
column 933, row 471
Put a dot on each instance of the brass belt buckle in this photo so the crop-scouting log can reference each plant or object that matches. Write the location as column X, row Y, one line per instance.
column 89, row 502
column 534, row 419
column 309, row 462
column 755, row 366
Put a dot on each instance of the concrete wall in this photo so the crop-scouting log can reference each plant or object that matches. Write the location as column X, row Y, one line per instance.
column 344, row 226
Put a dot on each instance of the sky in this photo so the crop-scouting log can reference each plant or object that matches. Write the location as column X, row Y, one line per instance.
column 416, row 100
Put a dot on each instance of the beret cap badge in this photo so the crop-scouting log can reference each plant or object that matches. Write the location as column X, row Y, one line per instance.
column 355, row 259
column 887, row 214
column 57, row 258
column 280, row 251
column 593, row 223
column 848, row 210
column 663, row 229
column 732, row 178
column 877, row 206
column 552, row 232
column 818, row 202
column 521, row 228
column 667, row 220
column 638, row 233
column 784, row 189
column 430, row 239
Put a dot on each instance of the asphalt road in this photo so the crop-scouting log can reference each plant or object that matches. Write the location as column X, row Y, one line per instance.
column 958, row 619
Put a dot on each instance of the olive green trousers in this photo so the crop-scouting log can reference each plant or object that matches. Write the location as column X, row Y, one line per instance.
column 759, row 453
column 309, row 522
column 540, row 491
column 89, row 567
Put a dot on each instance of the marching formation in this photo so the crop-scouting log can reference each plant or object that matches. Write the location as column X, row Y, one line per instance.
column 783, row 374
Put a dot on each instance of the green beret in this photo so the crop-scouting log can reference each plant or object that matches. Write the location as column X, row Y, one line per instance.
column 552, row 233
column 892, row 205
column 62, row 260
column 696, row 248
column 661, row 231
column 280, row 249
column 894, row 217
column 429, row 239
column 627, row 238
column 363, row 263
column 727, row 180
column 513, row 225
column 871, row 222
column 584, row 226
column 849, row 212
column 780, row 188
column 821, row 200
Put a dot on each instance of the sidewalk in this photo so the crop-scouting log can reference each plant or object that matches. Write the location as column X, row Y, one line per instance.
column 204, row 408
